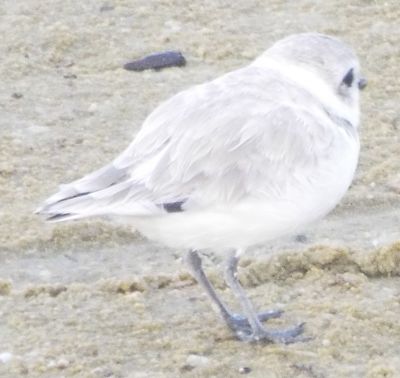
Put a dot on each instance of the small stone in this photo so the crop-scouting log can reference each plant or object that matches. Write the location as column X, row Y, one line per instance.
column 54, row 291
column 5, row 287
column 5, row 357
column 301, row 238
column 93, row 107
column 173, row 26
column 186, row 368
column 36, row 129
column 157, row 61
column 106, row 8
column 62, row 363
column 102, row 372
column 244, row 370
column 45, row 274
column 17, row 95
column 326, row 342
column 195, row 360
column 70, row 76
column 394, row 185
column 396, row 122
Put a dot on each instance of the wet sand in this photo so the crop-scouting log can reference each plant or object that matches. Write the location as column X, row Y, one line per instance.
column 93, row 299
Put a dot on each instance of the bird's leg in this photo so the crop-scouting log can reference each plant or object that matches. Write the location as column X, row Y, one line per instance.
column 234, row 321
column 256, row 331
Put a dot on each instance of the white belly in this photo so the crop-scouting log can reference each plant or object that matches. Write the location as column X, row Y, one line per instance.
column 257, row 220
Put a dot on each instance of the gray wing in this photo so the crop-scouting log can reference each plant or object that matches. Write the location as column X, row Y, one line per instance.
column 218, row 142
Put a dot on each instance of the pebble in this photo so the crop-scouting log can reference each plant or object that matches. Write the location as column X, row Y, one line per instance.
column 45, row 274
column 62, row 363
column 394, row 185
column 70, row 76
column 244, row 370
column 17, row 95
column 36, row 129
column 195, row 360
column 301, row 238
column 5, row 357
column 157, row 61
column 173, row 26
column 93, row 107
column 326, row 342
column 106, row 8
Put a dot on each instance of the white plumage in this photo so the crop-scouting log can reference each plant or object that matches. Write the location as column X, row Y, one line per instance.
column 255, row 154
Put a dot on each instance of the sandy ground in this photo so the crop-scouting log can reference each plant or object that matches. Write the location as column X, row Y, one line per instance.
column 91, row 299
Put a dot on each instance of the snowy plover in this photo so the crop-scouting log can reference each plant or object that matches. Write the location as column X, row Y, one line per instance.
column 255, row 154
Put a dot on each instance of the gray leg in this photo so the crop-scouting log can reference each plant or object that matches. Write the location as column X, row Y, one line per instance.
column 236, row 322
column 257, row 331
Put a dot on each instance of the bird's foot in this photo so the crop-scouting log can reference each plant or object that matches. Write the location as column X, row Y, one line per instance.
column 260, row 334
column 240, row 325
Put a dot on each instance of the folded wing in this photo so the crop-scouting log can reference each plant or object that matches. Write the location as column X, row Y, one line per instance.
column 212, row 144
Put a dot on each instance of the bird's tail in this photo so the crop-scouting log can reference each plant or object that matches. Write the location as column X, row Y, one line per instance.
column 89, row 196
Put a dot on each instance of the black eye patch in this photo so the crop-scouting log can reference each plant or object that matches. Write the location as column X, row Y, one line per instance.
column 349, row 78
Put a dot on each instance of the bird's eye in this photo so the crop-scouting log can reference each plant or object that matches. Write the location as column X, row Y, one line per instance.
column 349, row 78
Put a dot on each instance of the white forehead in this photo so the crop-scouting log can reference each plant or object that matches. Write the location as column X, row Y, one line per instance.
column 313, row 47
column 328, row 55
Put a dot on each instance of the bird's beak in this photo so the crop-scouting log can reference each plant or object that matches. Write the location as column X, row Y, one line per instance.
column 362, row 83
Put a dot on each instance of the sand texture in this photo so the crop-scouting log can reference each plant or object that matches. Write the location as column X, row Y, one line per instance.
column 93, row 299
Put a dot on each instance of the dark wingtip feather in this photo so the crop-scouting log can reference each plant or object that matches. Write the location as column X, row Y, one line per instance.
column 57, row 217
column 173, row 207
